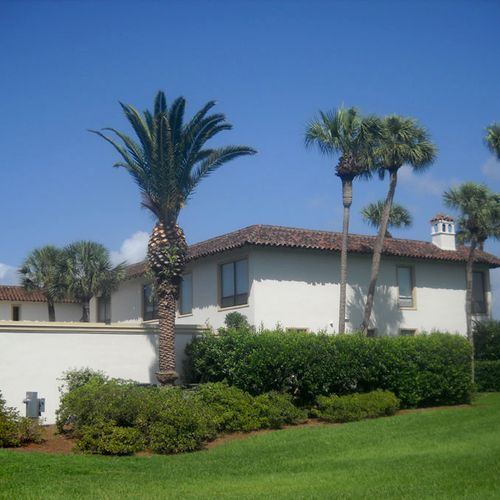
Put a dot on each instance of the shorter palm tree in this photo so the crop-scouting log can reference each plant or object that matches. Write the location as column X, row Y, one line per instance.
column 42, row 271
column 479, row 220
column 493, row 138
column 88, row 272
column 399, row 216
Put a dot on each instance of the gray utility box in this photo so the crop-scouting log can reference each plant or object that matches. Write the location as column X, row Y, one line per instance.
column 34, row 405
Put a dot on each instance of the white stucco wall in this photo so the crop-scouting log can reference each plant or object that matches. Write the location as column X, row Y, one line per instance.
column 34, row 356
column 37, row 311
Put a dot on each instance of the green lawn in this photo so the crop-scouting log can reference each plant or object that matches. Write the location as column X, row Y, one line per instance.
column 451, row 453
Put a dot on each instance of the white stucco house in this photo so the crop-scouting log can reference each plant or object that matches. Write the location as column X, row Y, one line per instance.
column 278, row 275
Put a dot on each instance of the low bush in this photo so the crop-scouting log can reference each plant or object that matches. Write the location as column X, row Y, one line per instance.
column 73, row 379
column 487, row 340
column 105, row 438
column 422, row 371
column 16, row 430
column 277, row 409
column 488, row 375
column 356, row 406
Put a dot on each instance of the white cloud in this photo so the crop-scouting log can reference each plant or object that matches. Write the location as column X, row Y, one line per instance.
column 424, row 183
column 132, row 250
column 8, row 274
column 491, row 168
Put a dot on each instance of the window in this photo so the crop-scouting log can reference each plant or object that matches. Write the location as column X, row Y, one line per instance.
column 407, row 332
column 406, row 285
column 104, row 310
column 234, row 283
column 186, row 295
column 372, row 332
column 478, row 293
column 16, row 313
column 298, row 329
column 150, row 305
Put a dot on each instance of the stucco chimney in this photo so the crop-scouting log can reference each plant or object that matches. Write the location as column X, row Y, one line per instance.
column 443, row 232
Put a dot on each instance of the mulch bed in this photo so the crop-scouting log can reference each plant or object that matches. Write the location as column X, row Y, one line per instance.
column 62, row 444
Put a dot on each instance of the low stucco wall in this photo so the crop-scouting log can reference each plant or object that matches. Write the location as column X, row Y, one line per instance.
column 33, row 356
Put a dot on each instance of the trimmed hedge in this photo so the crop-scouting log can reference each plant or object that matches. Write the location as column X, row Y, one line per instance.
column 488, row 375
column 487, row 340
column 356, row 406
column 421, row 371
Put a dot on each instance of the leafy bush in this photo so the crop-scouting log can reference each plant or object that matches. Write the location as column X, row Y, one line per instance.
column 487, row 340
column 105, row 438
column 173, row 421
column 422, row 371
column 16, row 430
column 488, row 375
column 277, row 409
column 73, row 379
column 100, row 400
column 357, row 406
column 236, row 320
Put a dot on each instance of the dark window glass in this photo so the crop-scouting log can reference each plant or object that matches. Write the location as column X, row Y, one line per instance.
column 405, row 284
column 186, row 295
column 150, row 304
column 104, row 310
column 478, row 293
column 234, row 283
column 407, row 332
column 16, row 313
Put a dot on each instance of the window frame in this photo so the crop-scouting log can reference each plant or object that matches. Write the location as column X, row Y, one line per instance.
column 155, row 304
column 413, row 330
column 413, row 306
column 181, row 314
column 485, row 294
column 220, row 265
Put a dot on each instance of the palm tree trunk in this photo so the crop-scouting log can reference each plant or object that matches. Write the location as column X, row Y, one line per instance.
column 468, row 303
column 347, row 201
column 166, row 363
column 377, row 251
column 85, row 312
column 51, row 309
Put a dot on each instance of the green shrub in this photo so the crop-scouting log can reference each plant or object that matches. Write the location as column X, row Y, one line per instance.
column 99, row 399
column 106, row 438
column 422, row 371
column 236, row 320
column 488, row 375
column 277, row 409
column 16, row 430
column 173, row 421
column 356, row 406
column 73, row 379
column 487, row 340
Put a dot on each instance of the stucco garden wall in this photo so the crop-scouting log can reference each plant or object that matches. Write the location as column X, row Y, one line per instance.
column 37, row 311
column 33, row 356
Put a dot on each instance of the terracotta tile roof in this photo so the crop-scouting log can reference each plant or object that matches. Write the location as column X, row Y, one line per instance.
column 287, row 237
column 13, row 293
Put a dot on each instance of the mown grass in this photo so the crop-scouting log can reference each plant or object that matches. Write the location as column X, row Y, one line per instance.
column 450, row 453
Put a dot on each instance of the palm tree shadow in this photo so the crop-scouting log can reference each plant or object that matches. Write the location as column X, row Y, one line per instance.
column 386, row 316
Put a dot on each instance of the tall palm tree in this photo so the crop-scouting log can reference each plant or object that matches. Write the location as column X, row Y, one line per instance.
column 399, row 216
column 88, row 272
column 479, row 220
column 168, row 162
column 41, row 271
column 345, row 134
column 403, row 142
column 493, row 138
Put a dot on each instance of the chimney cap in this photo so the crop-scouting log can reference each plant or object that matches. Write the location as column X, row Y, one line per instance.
column 438, row 217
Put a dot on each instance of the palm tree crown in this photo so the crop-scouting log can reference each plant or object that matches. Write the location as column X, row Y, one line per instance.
column 346, row 133
column 493, row 138
column 42, row 271
column 169, row 160
column 399, row 216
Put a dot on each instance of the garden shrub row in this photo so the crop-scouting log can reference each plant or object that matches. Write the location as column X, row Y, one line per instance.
column 421, row 371
column 488, row 375
column 118, row 417
column 16, row 430
column 356, row 406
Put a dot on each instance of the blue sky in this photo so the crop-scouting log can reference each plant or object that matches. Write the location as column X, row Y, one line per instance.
column 271, row 65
